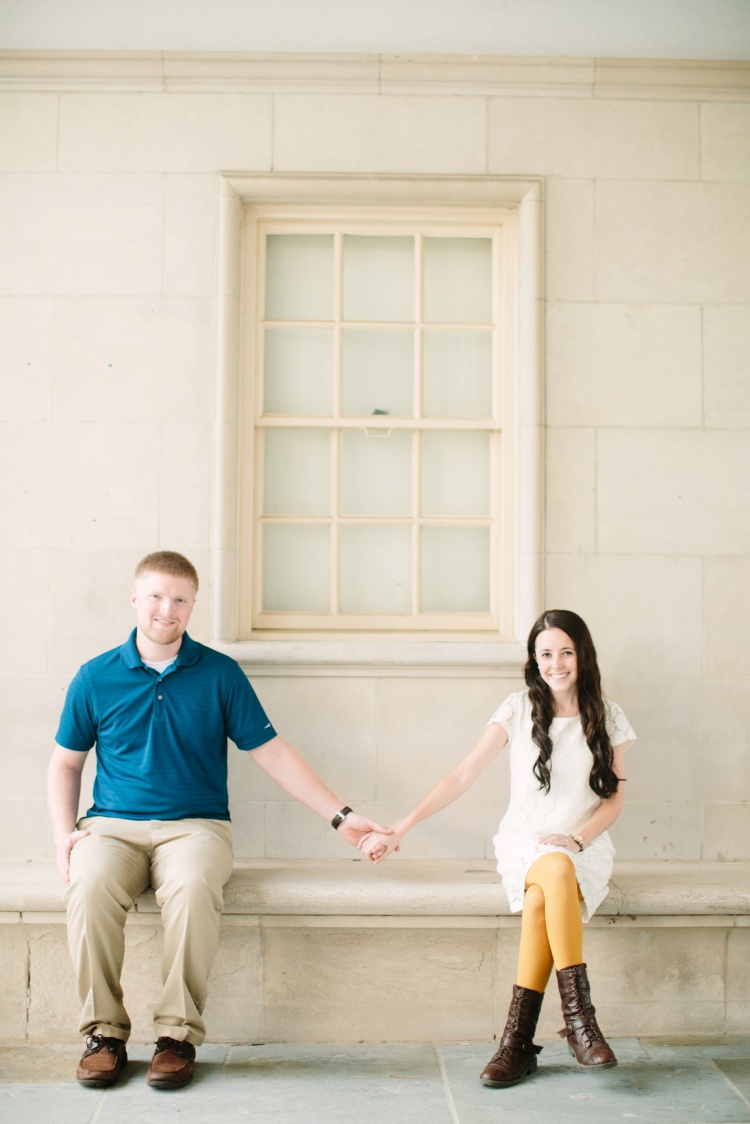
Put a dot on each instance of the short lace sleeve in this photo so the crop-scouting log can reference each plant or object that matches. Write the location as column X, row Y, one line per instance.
column 505, row 715
column 619, row 729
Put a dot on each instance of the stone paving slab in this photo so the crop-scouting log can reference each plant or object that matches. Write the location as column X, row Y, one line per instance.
column 657, row 1082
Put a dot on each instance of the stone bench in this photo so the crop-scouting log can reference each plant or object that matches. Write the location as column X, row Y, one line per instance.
column 341, row 951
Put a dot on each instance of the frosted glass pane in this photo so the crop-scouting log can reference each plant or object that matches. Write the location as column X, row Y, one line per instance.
column 458, row 280
column 455, row 473
column 376, row 473
column 296, row 568
column 455, row 569
column 457, row 374
column 378, row 278
column 378, row 372
column 296, row 472
column 298, row 364
column 299, row 277
column 376, row 569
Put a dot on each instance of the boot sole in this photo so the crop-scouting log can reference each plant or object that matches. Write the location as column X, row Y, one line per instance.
column 490, row 1084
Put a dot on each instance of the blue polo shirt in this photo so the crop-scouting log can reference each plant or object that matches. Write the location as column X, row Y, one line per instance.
column 161, row 739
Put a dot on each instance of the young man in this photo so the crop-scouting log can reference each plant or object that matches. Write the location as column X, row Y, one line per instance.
column 159, row 710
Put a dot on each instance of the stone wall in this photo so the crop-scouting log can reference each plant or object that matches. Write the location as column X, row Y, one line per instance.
column 109, row 166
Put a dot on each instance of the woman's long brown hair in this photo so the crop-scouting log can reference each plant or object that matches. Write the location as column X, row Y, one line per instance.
column 603, row 779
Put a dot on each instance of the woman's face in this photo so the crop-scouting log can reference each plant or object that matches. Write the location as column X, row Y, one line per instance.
column 556, row 659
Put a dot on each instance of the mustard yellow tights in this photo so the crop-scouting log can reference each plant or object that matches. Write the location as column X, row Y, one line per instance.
column 551, row 925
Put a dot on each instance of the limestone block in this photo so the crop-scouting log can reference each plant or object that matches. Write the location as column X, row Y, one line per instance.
column 690, row 477
column 142, row 132
column 185, row 484
column 25, row 619
column 379, row 134
column 682, row 725
column 570, row 462
column 623, row 365
column 725, row 141
column 104, row 580
column 14, row 957
column 28, row 132
column 53, row 1005
column 738, row 969
column 132, row 359
column 26, row 332
column 726, row 832
column 644, row 612
column 331, row 720
column 248, row 827
column 588, row 138
column 726, row 358
column 30, row 706
column 234, row 1009
column 569, row 239
column 672, row 242
column 727, row 617
column 77, row 496
column 70, row 234
column 341, row 972
column 454, row 711
column 658, row 831
column 628, row 965
column 190, row 208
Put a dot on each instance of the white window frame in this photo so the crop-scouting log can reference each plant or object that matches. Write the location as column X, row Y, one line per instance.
column 238, row 196
column 498, row 225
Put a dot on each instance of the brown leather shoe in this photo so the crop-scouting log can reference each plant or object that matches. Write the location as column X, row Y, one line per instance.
column 516, row 1054
column 102, row 1062
column 172, row 1064
column 586, row 1042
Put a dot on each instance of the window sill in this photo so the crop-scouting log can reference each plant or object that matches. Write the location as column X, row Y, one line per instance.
column 397, row 658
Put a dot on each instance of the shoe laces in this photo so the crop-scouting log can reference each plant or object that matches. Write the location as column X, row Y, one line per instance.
column 96, row 1042
column 182, row 1049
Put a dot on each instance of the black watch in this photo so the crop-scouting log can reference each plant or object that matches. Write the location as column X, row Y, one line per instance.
column 339, row 818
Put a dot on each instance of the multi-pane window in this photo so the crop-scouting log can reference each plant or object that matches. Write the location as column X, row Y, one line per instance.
column 378, row 349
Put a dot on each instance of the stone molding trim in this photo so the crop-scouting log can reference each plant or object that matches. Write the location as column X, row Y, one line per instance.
column 477, row 76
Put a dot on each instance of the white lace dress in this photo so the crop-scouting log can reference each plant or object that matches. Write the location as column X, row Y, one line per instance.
column 568, row 805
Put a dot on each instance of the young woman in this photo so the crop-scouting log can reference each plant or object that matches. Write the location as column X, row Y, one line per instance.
column 567, row 749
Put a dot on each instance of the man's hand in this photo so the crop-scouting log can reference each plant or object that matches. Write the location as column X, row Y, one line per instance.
column 354, row 828
column 64, row 847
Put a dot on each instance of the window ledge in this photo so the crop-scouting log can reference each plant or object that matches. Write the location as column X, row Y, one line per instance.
column 376, row 657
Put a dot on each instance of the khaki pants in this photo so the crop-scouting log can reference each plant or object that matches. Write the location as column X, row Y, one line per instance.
column 187, row 862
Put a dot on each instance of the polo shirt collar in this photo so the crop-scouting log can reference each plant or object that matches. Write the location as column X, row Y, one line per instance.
column 188, row 654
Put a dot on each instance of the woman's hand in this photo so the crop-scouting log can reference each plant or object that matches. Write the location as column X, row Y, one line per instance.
column 560, row 840
column 377, row 847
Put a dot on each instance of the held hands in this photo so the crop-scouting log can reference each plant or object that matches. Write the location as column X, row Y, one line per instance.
column 356, row 828
column 64, row 847
column 376, row 846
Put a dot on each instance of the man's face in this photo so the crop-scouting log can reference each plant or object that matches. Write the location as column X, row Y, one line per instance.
column 162, row 605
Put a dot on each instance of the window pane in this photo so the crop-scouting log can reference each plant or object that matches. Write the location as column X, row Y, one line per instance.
column 296, row 472
column 298, row 365
column 376, row 472
column 299, row 277
column 378, row 278
column 378, row 372
column 458, row 280
column 296, row 567
column 455, row 569
column 455, row 473
column 376, row 569
column 457, row 374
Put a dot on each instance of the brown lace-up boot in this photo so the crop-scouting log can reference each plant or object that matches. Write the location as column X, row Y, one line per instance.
column 585, row 1040
column 516, row 1053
